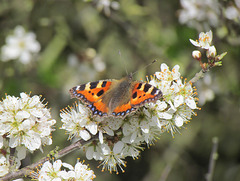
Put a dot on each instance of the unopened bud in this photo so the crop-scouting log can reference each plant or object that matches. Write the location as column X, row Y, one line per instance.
column 211, row 52
column 196, row 54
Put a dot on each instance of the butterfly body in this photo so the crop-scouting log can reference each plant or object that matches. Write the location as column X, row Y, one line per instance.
column 115, row 97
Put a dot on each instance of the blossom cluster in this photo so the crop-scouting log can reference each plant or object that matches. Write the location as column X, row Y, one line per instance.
column 205, row 43
column 64, row 171
column 206, row 85
column 25, row 124
column 118, row 138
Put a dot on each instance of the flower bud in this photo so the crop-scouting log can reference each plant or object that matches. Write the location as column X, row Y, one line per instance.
column 196, row 54
column 211, row 52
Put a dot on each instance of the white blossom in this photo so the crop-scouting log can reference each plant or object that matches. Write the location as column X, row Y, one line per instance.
column 81, row 172
column 51, row 172
column 113, row 158
column 204, row 41
column 76, row 121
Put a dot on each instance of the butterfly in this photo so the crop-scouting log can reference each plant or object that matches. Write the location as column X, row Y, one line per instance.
column 115, row 97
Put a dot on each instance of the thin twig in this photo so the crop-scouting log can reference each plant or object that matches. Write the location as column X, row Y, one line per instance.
column 198, row 76
column 166, row 172
column 213, row 158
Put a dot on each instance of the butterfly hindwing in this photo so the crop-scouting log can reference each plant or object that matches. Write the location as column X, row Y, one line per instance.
column 123, row 110
column 98, row 108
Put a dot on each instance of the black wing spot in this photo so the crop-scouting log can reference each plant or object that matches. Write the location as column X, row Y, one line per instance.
column 100, row 93
column 82, row 87
column 147, row 87
column 139, row 86
column 104, row 83
column 89, row 92
column 92, row 93
column 93, row 85
column 134, row 95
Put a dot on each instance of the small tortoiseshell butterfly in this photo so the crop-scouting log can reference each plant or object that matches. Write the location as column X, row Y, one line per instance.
column 115, row 97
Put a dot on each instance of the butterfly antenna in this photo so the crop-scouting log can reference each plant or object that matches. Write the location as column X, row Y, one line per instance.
column 124, row 63
column 145, row 66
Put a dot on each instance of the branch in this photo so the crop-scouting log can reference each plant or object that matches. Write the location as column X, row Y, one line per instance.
column 26, row 171
column 198, row 76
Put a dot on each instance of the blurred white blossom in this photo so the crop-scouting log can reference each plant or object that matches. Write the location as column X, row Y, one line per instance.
column 208, row 13
column 107, row 5
column 232, row 12
column 98, row 64
column 206, row 89
column 20, row 45
column 5, row 166
column 195, row 12
column 237, row 2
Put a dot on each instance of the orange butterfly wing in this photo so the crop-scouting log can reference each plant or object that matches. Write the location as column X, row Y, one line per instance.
column 91, row 94
column 123, row 110
column 142, row 93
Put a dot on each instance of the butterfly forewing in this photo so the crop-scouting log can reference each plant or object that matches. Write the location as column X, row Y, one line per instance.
column 144, row 93
column 90, row 92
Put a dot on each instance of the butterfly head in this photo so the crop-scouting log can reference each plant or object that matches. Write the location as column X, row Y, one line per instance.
column 130, row 77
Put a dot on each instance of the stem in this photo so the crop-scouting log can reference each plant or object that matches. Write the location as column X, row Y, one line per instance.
column 213, row 158
column 26, row 171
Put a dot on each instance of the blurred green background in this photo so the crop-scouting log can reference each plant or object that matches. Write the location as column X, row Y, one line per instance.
column 84, row 41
